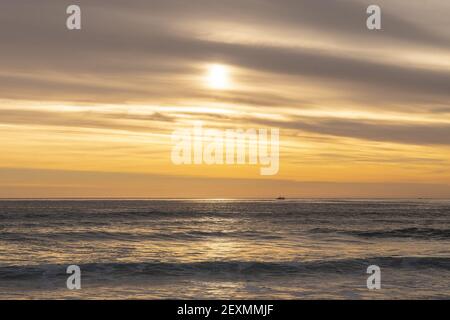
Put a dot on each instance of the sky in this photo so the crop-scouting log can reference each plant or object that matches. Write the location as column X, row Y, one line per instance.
column 90, row 113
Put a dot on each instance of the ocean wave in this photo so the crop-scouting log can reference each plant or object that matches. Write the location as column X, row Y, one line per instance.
column 413, row 232
column 224, row 268
column 419, row 233
column 135, row 236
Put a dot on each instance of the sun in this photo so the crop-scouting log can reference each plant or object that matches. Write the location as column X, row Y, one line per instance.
column 218, row 77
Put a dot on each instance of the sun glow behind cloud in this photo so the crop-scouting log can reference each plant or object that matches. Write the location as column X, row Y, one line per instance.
column 218, row 77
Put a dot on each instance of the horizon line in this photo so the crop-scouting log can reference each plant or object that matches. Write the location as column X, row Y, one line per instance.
column 225, row 199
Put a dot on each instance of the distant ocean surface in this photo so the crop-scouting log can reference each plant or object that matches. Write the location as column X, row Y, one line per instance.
column 217, row 249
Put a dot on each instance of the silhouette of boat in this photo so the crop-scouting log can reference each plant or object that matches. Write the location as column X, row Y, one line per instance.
column 281, row 198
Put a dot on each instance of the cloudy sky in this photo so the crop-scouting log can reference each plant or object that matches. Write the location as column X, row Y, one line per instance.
column 90, row 113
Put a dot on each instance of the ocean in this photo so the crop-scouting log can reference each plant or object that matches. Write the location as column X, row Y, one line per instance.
column 225, row 249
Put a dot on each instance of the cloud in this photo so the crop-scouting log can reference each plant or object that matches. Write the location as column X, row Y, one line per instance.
column 389, row 131
column 129, row 53
column 308, row 67
column 98, row 120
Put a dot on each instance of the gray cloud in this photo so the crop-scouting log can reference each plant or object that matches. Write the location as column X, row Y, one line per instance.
column 409, row 133
column 126, row 57
column 138, row 42
column 371, row 130
column 132, row 122
column 345, row 18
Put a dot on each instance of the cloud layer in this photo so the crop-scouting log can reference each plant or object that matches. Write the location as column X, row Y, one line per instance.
column 135, row 72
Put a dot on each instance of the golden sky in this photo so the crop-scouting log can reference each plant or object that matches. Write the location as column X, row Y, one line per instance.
column 90, row 113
